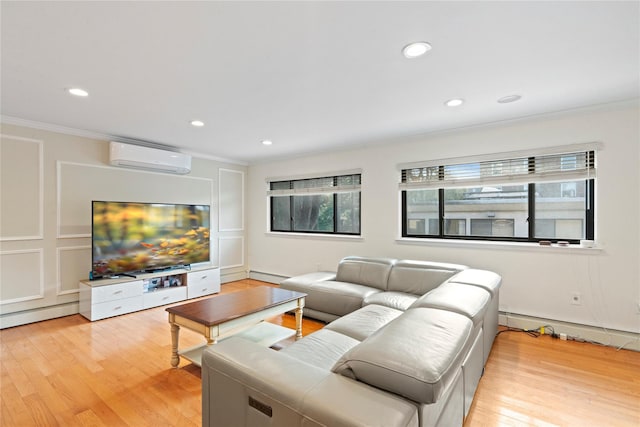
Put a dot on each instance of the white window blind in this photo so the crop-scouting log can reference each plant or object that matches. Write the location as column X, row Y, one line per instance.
column 557, row 167
column 309, row 186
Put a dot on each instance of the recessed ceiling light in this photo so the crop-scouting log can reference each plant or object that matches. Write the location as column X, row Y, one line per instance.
column 267, row 142
column 414, row 50
column 77, row 91
column 455, row 102
column 509, row 98
column 197, row 123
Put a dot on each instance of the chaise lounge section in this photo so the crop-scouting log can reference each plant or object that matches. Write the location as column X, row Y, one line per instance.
column 406, row 346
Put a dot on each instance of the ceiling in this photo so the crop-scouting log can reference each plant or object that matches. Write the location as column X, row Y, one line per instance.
column 310, row 76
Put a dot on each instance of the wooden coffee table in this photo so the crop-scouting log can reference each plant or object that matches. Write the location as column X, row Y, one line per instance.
column 237, row 313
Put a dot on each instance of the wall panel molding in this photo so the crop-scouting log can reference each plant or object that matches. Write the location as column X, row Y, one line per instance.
column 231, row 200
column 70, row 271
column 27, row 219
column 231, row 251
column 25, row 267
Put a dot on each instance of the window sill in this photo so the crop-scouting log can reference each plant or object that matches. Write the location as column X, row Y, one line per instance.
column 524, row 246
column 315, row 236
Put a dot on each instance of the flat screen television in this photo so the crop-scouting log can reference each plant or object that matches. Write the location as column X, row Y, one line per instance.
column 129, row 238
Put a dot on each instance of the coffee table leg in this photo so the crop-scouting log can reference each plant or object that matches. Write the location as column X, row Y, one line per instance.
column 299, row 318
column 207, row 335
column 175, row 333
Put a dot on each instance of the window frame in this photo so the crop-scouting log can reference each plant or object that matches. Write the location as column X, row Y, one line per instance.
column 589, row 208
column 325, row 190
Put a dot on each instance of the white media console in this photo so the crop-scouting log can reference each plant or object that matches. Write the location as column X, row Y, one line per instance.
column 104, row 298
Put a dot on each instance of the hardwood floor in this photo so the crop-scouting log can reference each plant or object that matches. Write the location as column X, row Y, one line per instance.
column 116, row 372
column 548, row 382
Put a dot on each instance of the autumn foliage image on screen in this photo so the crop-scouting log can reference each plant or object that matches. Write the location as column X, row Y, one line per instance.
column 140, row 237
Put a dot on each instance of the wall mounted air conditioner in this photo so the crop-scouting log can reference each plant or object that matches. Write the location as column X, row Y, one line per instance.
column 137, row 157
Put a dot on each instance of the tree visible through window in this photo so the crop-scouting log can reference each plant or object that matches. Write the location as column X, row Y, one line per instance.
column 329, row 205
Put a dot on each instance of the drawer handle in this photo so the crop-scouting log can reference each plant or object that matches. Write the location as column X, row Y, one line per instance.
column 204, row 289
column 118, row 307
column 203, row 277
column 117, row 292
column 165, row 298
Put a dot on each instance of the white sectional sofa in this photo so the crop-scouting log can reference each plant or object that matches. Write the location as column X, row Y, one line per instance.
column 406, row 346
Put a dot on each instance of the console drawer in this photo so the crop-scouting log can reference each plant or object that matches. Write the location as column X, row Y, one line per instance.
column 164, row 296
column 119, row 291
column 116, row 307
column 205, row 282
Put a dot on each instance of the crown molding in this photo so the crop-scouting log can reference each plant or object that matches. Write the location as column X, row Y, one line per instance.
column 108, row 137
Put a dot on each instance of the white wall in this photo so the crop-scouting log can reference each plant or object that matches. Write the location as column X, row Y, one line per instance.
column 47, row 182
column 537, row 281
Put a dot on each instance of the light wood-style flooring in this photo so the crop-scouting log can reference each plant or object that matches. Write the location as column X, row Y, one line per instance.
column 116, row 372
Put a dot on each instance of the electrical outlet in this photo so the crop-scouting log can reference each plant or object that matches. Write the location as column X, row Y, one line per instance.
column 576, row 298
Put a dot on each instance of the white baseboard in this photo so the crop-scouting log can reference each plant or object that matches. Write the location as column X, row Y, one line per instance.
column 232, row 277
column 10, row 320
column 609, row 337
column 267, row 277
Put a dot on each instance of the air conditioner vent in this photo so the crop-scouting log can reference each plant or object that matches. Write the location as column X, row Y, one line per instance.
column 137, row 157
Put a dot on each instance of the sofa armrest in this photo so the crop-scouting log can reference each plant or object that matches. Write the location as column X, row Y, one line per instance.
column 246, row 384
column 488, row 280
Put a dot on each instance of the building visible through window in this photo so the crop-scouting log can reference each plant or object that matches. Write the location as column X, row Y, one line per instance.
column 549, row 197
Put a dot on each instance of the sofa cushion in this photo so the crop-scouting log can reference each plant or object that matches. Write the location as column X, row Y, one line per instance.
column 468, row 300
column 372, row 272
column 319, row 315
column 337, row 298
column 417, row 355
column 363, row 322
column 419, row 277
column 322, row 348
column 397, row 300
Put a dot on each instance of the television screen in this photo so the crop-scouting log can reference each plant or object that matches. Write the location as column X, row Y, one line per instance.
column 136, row 237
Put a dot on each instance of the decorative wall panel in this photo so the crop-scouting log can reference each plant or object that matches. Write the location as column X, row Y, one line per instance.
column 21, row 188
column 231, row 198
column 231, row 251
column 21, row 275
column 74, row 263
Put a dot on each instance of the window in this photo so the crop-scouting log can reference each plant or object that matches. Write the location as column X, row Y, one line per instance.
column 327, row 205
column 524, row 198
